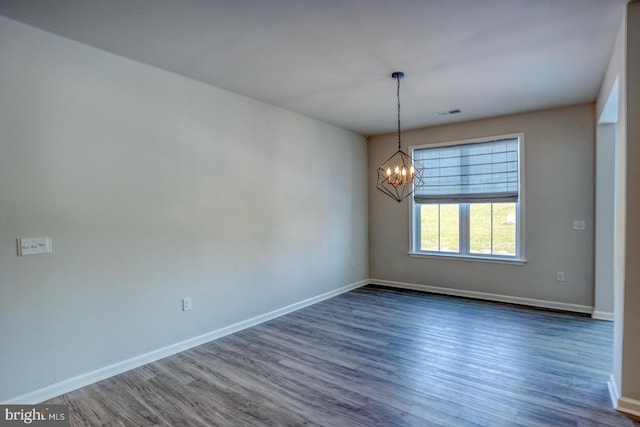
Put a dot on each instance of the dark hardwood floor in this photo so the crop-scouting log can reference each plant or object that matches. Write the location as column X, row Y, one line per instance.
column 375, row 357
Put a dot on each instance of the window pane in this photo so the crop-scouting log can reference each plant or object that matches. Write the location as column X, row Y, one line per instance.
column 504, row 229
column 429, row 227
column 449, row 228
column 480, row 228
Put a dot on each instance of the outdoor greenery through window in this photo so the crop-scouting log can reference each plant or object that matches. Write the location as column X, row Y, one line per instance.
column 492, row 228
column 470, row 204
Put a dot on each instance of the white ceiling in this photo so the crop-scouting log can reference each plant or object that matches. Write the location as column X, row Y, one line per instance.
column 332, row 59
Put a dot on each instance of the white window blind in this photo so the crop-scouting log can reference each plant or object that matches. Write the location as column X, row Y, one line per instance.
column 469, row 173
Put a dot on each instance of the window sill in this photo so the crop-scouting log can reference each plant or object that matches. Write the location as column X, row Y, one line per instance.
column 511, row 261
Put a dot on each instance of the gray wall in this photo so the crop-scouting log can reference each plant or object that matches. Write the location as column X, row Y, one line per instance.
column 559, row 186
column 631, row 335
column 154, row 187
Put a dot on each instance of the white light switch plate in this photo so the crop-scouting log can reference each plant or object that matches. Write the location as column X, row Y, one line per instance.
column 34, row 246
column 579, row 224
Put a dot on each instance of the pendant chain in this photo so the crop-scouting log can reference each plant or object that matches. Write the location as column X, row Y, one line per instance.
column 398, row 94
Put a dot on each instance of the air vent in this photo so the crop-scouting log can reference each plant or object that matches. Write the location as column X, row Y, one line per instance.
column 450, row 112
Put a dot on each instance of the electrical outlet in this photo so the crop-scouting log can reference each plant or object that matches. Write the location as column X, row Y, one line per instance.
column 186, row 303
column 579, row 224
column 560, row 276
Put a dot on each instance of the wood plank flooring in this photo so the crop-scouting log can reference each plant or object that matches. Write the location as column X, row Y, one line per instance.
column 375, row 357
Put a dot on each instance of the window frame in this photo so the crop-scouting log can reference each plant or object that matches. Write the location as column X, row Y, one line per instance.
column 414, row 212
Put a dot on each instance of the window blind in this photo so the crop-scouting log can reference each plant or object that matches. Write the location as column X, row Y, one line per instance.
column 469, row 173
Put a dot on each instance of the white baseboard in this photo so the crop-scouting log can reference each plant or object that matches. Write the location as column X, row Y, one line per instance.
column 622, row 404
column 486, row 296
column 602, row 315
column 85, row 379
column 629, row 406
column 614, row 390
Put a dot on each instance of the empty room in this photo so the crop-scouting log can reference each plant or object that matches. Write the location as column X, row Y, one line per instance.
column 320, row 212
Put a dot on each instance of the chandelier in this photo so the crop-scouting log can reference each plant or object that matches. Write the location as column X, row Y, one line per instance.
column 399, row 175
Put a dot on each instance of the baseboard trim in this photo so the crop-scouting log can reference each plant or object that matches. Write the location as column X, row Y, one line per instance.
column 614, row 390
column 622, row 404
column 629, row 406
column 88, row 378
column 486, row 296
column 602, row 315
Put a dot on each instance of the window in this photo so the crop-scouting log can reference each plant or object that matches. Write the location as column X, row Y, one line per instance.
column 471, row 203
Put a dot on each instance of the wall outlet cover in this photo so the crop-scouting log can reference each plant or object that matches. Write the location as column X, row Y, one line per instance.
column 579, row 224
column 34, row 246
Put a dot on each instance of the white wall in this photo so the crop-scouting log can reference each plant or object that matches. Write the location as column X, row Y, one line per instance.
column 615, row 76
column 154, row 187
column 559, row 188
column 605, row 220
